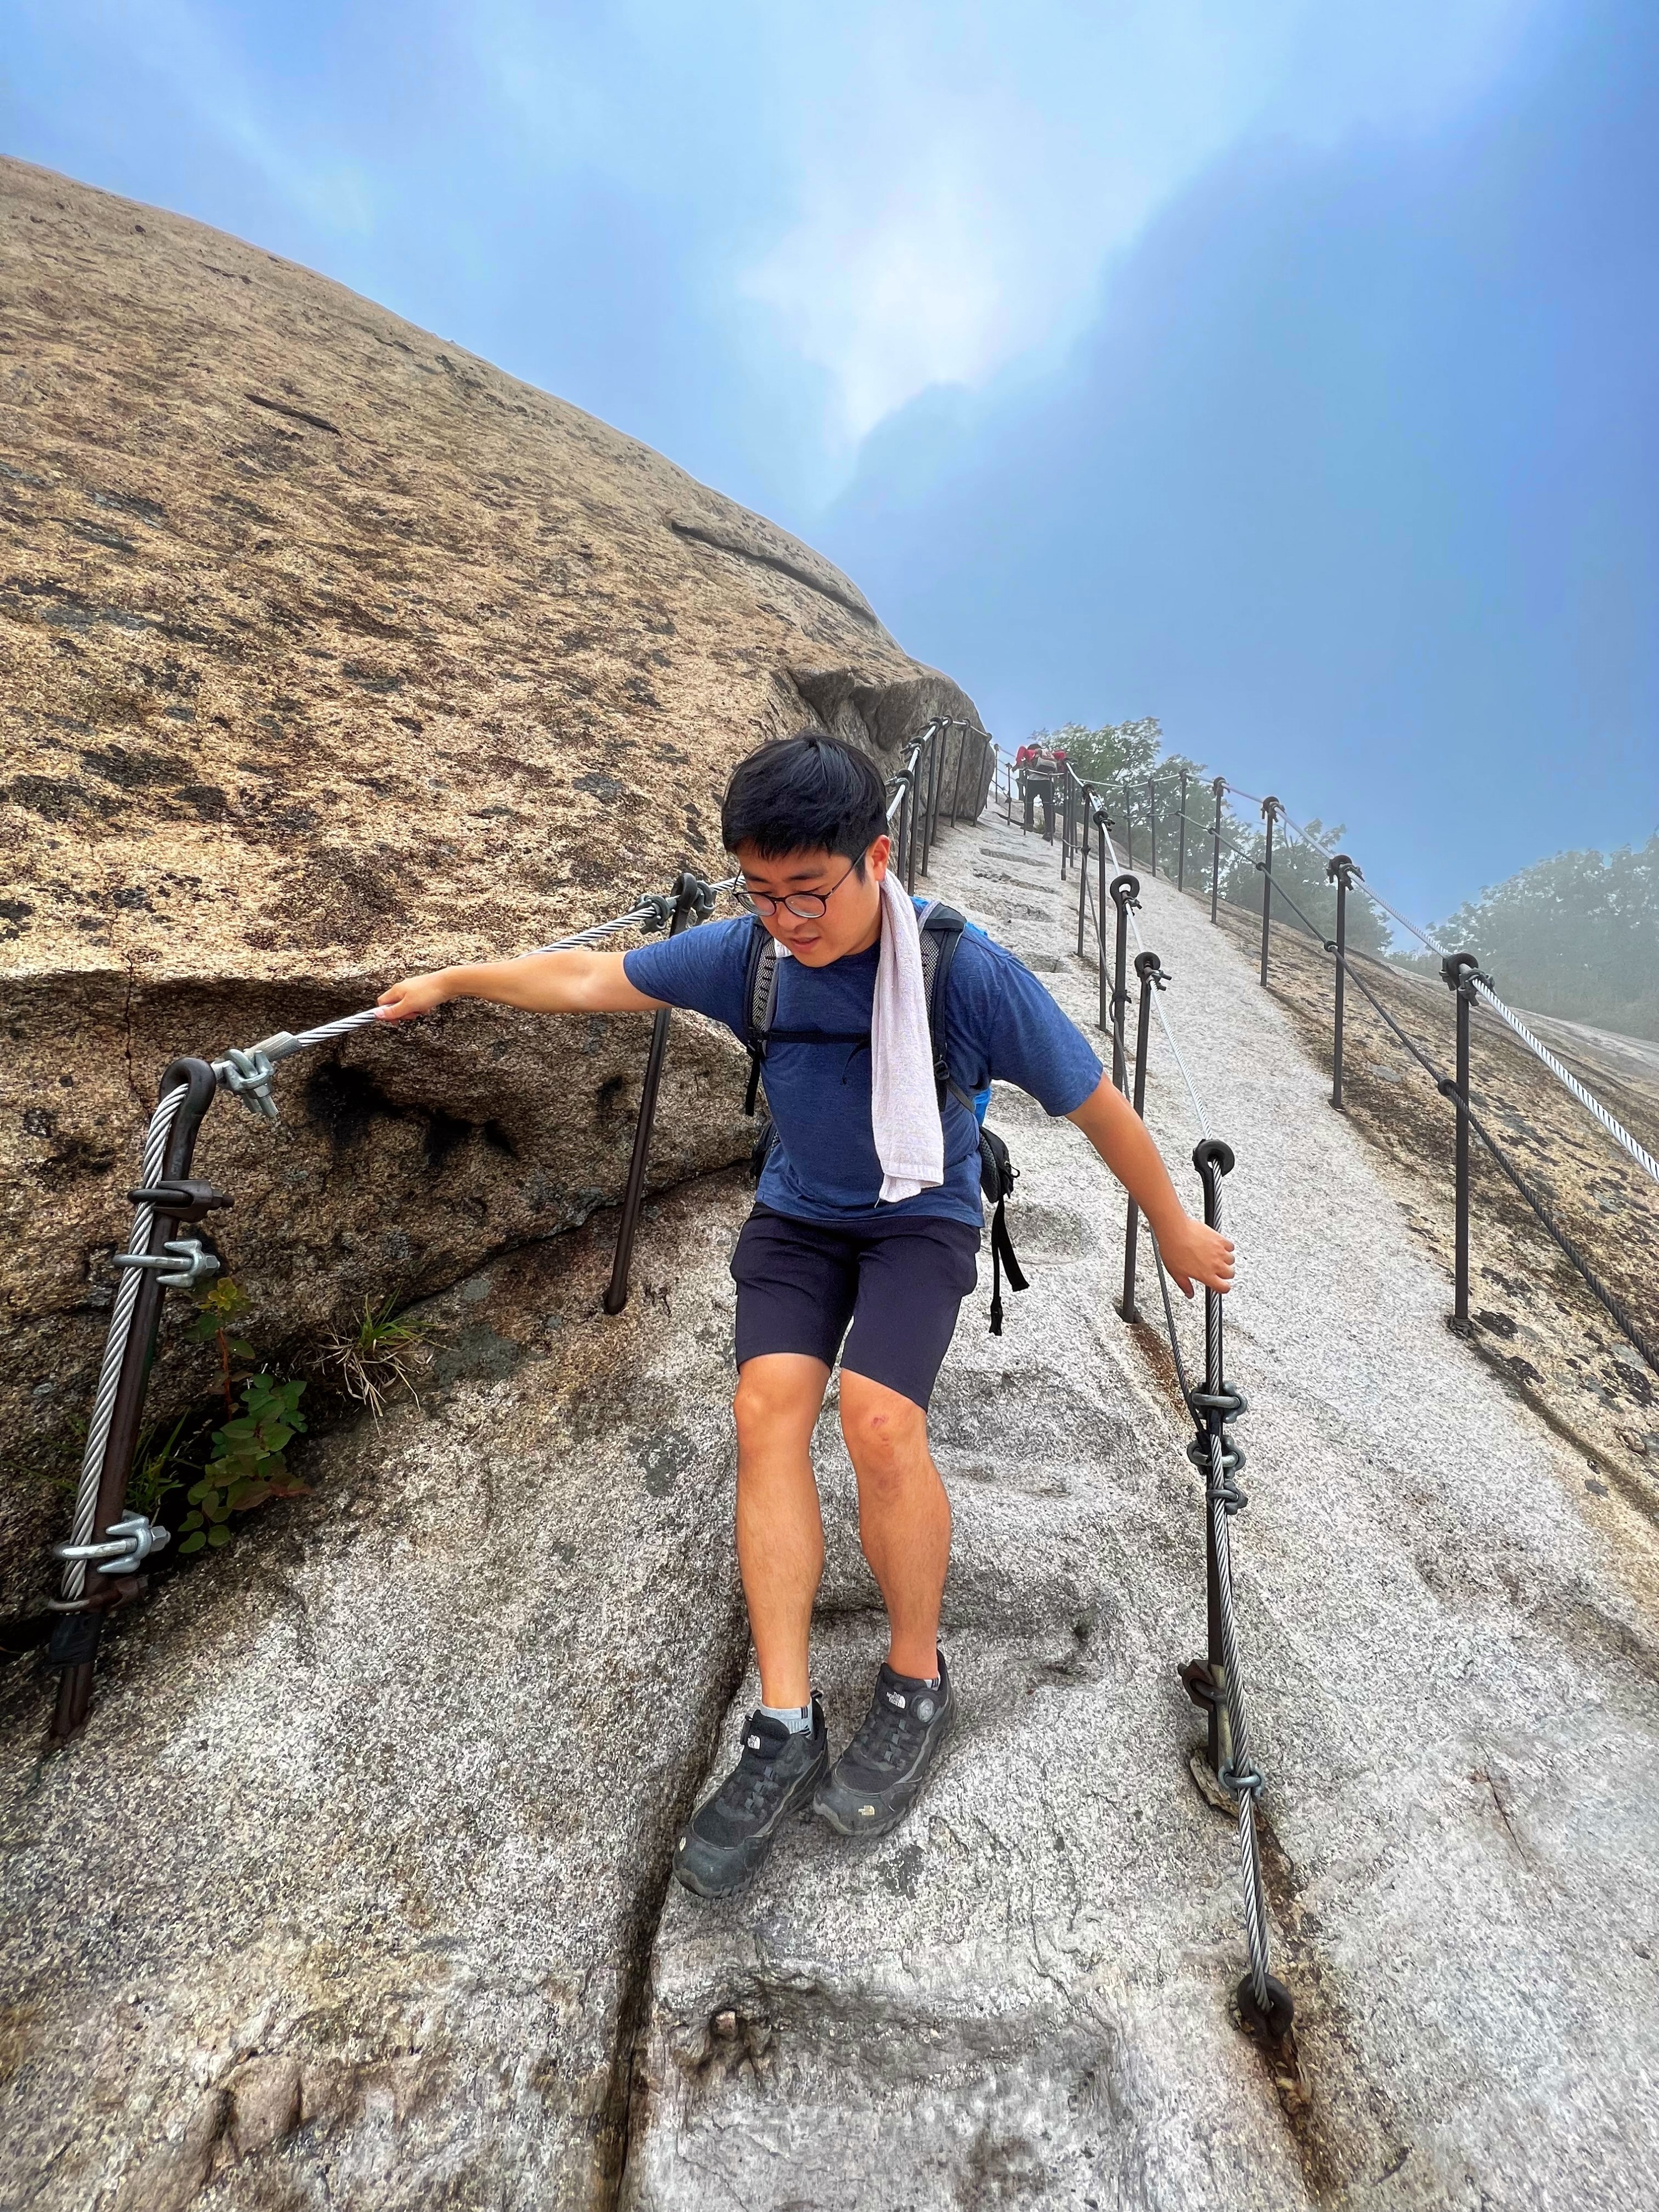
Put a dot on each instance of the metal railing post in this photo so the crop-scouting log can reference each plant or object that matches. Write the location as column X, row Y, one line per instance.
column 1457, row 968
column 1128, row 830
column 79, row 1626
column 1125, row 893
column 1180, row 849
column 1270, row 813
column 1083, row 868
column 692, row 900
column 1100, row 922
column 1220, row 1731
column 1340, row 871
column 1218, row 787
column 1149, row 971
column 908, row 830
column 925, row 772
column 1151, row 809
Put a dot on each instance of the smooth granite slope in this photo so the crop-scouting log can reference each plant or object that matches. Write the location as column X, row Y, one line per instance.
column 1021, row 1996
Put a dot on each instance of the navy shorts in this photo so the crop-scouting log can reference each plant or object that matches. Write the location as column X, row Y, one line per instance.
column 900, row 1282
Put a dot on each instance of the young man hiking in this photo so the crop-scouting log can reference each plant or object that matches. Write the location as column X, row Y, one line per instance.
column 863, row 1244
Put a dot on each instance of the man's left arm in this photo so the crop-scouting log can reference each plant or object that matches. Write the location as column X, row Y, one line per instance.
column 1191, row 1253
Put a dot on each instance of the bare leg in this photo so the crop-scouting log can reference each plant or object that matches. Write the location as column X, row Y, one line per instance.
column 904, row 1515
column 780, row 1529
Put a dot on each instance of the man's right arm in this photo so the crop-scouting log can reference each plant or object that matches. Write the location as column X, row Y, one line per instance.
column 580, row 981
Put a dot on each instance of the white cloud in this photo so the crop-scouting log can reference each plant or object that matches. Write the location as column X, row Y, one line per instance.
column 960, row 179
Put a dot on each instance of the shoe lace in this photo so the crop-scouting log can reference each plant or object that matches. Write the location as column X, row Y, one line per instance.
column 883, row 1740
column 746, row 1790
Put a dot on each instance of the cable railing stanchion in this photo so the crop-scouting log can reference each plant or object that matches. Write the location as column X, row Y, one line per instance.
column 1340, row 871
column 1269, row 811
column 1180, row 848
column 693, row 900
column 1150, row 970
column 1215, row 1681
column 1219, row 787
column 1100, row 916
column 1457, row 968
column 1083, row 866
column 930, row 810
column 1152, row 809
column 1125, row 894
column 108, row 1546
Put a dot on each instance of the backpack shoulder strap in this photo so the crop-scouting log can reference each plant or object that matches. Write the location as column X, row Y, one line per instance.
column 941, row 933
column 760, row 1001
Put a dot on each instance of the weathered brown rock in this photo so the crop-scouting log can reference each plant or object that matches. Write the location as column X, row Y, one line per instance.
column 328, row 652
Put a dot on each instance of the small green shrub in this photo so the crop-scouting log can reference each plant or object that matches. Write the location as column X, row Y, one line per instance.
column 246, row 1465
column 219, row 1306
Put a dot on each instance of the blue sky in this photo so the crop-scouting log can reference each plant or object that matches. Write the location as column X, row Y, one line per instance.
column 1287, row 371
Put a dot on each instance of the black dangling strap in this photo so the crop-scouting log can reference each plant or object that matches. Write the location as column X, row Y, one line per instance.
column 996, row 1283
column 753, row 1091
column 1001, row 1240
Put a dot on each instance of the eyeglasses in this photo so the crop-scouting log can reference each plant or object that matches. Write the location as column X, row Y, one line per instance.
column 805, row 906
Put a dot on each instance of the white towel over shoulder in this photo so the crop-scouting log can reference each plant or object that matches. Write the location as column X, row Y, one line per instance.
column 904, row 1098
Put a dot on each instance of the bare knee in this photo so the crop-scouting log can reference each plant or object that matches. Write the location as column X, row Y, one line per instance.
column 886, row 1438
column 771, row 1398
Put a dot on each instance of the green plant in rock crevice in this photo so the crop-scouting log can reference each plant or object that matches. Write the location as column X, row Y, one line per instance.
column 384, row 1352
column 246, row 1464
column 218, row 1308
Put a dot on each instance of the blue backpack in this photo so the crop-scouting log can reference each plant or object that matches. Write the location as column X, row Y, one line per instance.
column 941, row 928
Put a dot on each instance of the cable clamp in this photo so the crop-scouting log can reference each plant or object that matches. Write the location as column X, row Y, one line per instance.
column 1229, row 1404
column 659, row 910
column 127, row 1543
column 246, row 1075
column 1232, row 1455
column 179, row 1266
column 179, row 1198
column 1240, row 1781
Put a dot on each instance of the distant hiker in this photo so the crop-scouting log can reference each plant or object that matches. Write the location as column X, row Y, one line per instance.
column 863, row 1244
column 1041, row 768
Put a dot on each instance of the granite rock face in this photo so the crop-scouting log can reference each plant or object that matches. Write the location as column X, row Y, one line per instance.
column 346, row 1894
column 1451, row 1639
column 328, row 652
column 356, row 1890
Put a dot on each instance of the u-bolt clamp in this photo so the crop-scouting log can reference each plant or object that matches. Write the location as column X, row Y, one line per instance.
column 1459, row 969
column 179, row 1266
column 126, row 1544
column 697, row 896
column 659, row 911
column 246, row 1075
column 1148, row 964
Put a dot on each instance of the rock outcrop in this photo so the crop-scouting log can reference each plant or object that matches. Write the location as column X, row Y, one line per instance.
column 328, row 652
column 356, row 1889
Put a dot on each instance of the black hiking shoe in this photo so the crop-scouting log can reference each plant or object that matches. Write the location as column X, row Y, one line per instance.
column 731, row 1832
column 879, row 1776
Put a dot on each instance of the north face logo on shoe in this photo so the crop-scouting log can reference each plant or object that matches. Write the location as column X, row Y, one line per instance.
column 894, row 1698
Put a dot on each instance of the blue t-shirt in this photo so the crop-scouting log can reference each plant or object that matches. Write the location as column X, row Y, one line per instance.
column 997, row 1021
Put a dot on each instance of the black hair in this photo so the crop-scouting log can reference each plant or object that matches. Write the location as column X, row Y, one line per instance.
column 805, row 793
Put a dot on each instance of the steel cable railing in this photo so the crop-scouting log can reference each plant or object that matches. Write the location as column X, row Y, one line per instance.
column 1216, row 1683
column 1468, row 986
column 947, row 763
